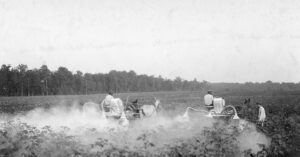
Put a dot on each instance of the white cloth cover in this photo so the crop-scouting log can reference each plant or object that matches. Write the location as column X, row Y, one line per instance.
column 116, row 107
column 107, row 99
column 208, row 99
column 112, row 106
column 219, row 104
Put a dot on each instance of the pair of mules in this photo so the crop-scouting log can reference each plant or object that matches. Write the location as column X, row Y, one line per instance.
column 134, row 110
column 117, row 111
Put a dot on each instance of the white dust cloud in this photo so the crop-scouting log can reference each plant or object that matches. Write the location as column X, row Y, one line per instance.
column 88, row 124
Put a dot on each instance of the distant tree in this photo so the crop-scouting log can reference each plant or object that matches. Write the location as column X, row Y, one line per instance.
column 178, row 83
column 79, row 83
column 45, row 75
column 63, row 79
column 5, row 77
column 22, row 72
column 34, row 85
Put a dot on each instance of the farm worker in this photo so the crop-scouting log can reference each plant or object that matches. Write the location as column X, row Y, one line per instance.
column 106, row 103
column 208, row 99
column 261, row 114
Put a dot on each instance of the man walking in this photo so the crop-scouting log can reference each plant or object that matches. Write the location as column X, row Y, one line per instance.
column 261, row 114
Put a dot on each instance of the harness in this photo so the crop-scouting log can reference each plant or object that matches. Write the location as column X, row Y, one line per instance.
column 133, row 106
column 134, row 109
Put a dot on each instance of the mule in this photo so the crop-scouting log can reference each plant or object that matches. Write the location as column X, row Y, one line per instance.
column 150, row 110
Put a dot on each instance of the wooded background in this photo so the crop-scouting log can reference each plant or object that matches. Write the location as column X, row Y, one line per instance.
column 21, row 81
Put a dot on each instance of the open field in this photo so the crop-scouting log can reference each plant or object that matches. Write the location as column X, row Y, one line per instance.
column 213, row 139
column 168, row 99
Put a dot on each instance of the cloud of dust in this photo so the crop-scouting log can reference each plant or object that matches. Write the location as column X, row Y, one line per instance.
column 88, row 124
column 250, row 138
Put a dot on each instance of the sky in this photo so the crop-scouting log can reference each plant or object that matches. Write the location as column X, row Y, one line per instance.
column 213, row 40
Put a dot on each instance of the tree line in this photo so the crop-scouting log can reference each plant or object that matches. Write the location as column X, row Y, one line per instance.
column 21, row 81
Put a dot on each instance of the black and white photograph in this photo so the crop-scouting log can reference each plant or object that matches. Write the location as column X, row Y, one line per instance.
column 149, row 78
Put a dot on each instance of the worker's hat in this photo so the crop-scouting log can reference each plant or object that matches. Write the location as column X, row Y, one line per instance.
column 110, row 92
